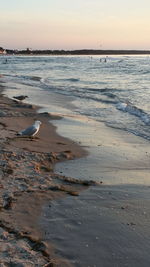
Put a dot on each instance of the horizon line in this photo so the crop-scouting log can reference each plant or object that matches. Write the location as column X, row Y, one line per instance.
column 83, row 51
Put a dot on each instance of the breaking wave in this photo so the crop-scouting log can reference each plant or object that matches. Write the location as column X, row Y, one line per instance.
column 133, row 110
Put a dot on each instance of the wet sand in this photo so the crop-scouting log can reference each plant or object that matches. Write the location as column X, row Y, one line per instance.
column 106, row 225
column 115, row 156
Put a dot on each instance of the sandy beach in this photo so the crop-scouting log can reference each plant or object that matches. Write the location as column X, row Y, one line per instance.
column 28, row 181
column 57, row 219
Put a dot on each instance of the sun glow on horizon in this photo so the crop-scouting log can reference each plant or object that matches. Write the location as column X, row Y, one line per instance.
column 44, row 24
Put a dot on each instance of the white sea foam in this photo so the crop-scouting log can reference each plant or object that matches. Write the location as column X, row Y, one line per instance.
column 128, row 107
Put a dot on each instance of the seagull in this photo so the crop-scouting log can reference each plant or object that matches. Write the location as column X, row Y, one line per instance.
column 20, row 97
column 31, row 130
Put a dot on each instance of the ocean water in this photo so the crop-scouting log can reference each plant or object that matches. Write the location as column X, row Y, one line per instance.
column 116, row 92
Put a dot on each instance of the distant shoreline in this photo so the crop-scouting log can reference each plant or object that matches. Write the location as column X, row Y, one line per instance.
column 77, row 52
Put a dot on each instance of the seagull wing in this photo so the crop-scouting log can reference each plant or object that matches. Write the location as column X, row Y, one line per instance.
column 29, row 131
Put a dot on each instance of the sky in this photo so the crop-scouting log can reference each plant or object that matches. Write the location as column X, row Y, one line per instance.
column 75, row 24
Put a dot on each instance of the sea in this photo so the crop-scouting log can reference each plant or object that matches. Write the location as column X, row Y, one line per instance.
column 114, row 90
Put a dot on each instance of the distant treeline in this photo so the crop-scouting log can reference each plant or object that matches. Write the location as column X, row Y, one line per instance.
column 77, row 52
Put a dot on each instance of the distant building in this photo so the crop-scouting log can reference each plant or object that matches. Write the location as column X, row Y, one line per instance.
column 2, row 51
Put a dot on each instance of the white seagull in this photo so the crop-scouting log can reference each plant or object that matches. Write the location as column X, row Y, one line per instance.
column 31, row 130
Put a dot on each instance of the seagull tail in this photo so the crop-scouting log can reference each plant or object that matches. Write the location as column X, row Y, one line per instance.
column 19, row 134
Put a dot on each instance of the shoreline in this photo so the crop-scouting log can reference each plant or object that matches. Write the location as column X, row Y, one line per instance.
column 113, row 157
column 28, row 181
column 49, row 218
